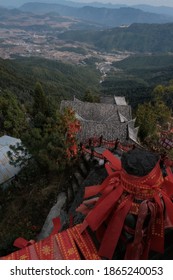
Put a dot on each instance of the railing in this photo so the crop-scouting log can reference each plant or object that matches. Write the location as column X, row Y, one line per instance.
column 88, row 146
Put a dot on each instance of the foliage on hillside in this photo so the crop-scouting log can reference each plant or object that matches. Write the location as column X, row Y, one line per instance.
column 137, row 76
column 136, row 79
column 42, row 128
column 164, row 92
column 12, row 115
column 155, row 116
column 135, row 38
column 91, row 96
column 46, row 137
column 26, row 202
column 59, row 80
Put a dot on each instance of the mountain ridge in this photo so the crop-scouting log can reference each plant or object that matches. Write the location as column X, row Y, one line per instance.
column 105, row 16
column 135, row 38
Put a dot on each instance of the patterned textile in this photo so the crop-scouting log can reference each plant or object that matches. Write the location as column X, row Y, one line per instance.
column 166, row 143
column 117, row 197
column 67, row 245
column 106, row 206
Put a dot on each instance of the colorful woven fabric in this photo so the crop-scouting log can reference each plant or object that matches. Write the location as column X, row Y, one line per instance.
column 106, row 207
column 117, row 197
column 67, row 245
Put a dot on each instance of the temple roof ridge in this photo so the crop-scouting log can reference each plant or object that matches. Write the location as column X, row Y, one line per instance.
column 78, row 117
column 120, row 100
column 107, row 119
column 122, row 118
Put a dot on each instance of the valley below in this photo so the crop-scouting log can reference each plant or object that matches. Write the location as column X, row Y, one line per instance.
column 24, row 40
column 128, row 60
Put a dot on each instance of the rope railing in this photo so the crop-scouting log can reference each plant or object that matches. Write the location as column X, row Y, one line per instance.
column 88, row 146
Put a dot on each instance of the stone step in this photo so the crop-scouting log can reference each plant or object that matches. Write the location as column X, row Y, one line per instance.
column 75, row 187
column 79, row 178
column 83, row 169
column 54, row 212
column 70, row 194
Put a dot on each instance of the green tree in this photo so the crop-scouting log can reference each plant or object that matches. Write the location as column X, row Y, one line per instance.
column 151, row 118
column 89, row 96
column 18, row 155
column 158, row 92
column 164, row 93
column 163, row 113
column 146, row 120
column 12, row 115
column 46, row 137
column 40, row 104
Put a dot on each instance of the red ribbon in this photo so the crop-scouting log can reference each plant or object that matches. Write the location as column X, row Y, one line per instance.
column 135, row 249
column 103, row 208
column 115, row 197
column 113, row 231
column 20, row 242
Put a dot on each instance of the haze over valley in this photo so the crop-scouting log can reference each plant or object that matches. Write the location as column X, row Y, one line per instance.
column 72, row 32
column 97, row 36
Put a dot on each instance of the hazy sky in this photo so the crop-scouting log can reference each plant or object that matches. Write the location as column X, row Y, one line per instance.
column 127, row 2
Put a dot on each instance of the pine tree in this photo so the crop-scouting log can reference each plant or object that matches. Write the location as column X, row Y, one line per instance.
column 90, row 96
column 146, row 120
column 47, row 139
column 40, row 104
column 12, row 115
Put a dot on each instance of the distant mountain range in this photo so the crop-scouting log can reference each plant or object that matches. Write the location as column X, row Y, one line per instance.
column 145, row 38
column 157, row 10
column 147, row 8
column 118, row 29
column 104, row 16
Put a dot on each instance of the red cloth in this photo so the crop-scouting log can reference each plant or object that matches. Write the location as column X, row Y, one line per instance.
column 116, row 197
column 66, row 245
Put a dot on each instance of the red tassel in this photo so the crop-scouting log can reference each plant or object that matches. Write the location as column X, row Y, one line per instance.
column 135, row 250
column 114, row 229
column 57, row 225
column 169, row 206
column 157, row 234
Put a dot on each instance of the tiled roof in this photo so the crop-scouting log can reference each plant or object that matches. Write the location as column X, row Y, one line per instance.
column 97, row 111
column 108, row 119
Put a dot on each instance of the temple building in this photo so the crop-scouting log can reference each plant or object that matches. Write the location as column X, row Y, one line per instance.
column 111, row 118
